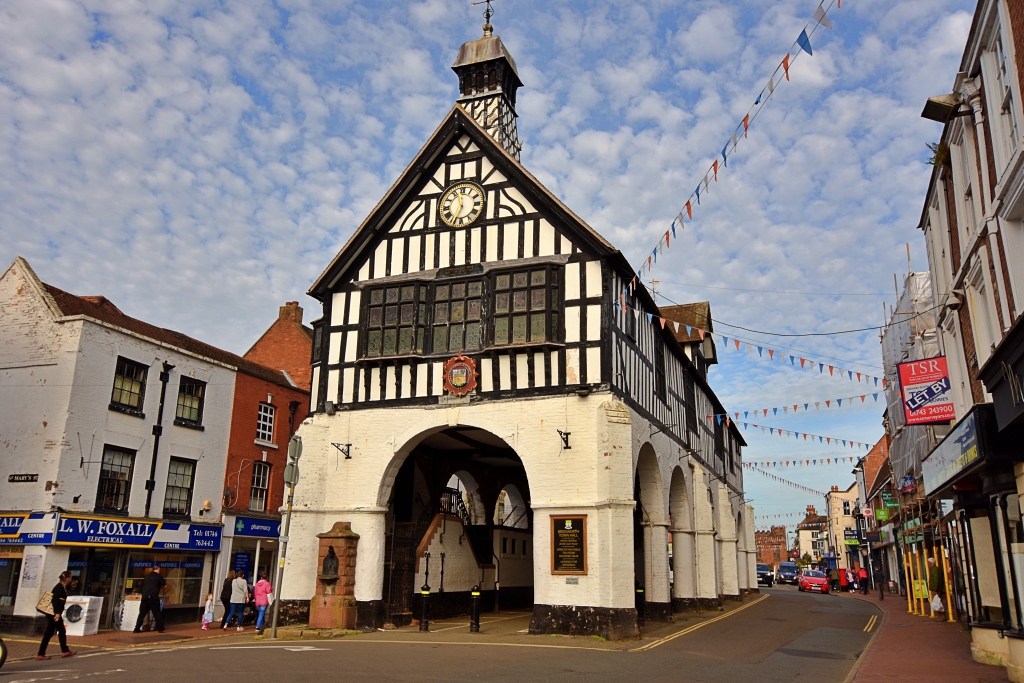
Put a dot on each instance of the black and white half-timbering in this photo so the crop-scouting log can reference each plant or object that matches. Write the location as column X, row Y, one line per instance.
column 473, row 355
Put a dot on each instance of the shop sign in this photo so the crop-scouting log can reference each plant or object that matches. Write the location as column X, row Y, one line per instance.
column 890, row 500
column 927, row 395
column 242, row 562
column 907, row 484
column 27, row 529
column 958, row 450
column 569, row 544
column 882, row 515
column 874, row 537
column 128, row 533
column 251, row 526
column 850, row 537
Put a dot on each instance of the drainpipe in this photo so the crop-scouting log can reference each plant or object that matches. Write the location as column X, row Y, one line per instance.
column 158, row 429
column 293, row 406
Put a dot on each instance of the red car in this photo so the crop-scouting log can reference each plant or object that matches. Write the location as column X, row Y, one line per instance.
column 814, row 581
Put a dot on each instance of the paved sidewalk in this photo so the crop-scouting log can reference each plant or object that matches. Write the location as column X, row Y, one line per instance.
column 23, row 647
column 914, row 649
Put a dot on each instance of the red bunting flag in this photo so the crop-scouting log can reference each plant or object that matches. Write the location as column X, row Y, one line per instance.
column 802, row 361
column 689, row 210
column 662, row 323
column 746, row 124
column 827, row 404
column 700, row 332
column 858, row 376
column 862, row 397
column 737, row 344
column 830, row 368
column 714, row 167
column 667, row 245
column 771, row 353
column 785, row 66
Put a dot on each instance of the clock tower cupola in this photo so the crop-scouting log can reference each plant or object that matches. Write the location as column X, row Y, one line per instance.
column 488, row 81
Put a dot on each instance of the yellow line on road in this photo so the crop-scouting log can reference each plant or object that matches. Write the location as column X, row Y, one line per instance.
column 871, row 623
column 662, row 641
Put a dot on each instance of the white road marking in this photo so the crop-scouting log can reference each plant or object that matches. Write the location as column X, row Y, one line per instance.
column 290, row 648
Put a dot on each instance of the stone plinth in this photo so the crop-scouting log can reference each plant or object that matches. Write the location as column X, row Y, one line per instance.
column 334, row 604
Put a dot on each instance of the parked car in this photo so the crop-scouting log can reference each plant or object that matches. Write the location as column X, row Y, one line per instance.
column 788, row 572
column 765, row 575
column 814, row 581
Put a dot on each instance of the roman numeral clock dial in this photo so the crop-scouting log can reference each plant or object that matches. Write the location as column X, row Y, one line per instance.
column 461, row 204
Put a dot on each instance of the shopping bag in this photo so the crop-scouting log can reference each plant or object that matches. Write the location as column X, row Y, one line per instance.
column 45, row 604
column 937, row 604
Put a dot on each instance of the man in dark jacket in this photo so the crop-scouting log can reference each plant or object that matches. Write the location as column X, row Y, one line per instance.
column 151, row 587
column 55, row 623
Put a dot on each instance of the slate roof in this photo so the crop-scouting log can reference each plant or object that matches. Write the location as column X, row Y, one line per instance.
column 102, row 309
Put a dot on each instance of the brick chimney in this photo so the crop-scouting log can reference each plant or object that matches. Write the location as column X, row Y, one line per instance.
column 811, row 511
column 290, row 311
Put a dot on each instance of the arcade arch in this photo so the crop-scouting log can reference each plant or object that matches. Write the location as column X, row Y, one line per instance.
column 441, row 494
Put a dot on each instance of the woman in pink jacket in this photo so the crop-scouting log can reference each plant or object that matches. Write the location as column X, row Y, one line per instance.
column 262, row 592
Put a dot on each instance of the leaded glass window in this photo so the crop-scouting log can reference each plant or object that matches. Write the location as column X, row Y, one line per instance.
column 526, row 306
column 396, row 320
column 458, row 317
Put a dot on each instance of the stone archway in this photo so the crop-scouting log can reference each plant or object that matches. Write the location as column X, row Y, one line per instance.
column 650, row 541
column 438, row 531
column 684, row 588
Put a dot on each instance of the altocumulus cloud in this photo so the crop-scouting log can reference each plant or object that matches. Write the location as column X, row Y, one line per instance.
column 199, row 162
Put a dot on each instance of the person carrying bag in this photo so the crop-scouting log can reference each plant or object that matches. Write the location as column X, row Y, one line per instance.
column 54, row 611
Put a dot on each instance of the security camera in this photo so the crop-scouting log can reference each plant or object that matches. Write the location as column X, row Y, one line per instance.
column 955, row 300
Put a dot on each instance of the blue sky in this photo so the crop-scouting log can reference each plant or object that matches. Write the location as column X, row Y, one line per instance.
column 200, row 162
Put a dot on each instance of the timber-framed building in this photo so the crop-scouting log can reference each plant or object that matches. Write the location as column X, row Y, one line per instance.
column 487, row 408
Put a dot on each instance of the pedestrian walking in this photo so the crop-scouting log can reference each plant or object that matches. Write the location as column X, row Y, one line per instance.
column 55, row 618
column 862, row 576
column 208, row 612
column 936, row 586
column 239, row 596
column 225, row 598
column 834, row 578
column 262, row 592
column 150, row 602
column 880, row 580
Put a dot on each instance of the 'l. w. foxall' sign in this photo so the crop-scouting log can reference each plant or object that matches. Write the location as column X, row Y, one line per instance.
column 129, row 533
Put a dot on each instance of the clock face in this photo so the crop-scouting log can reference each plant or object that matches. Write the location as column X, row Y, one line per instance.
column 461, row 204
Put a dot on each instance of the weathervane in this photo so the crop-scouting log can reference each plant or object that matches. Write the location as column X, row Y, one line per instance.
column 488, row 13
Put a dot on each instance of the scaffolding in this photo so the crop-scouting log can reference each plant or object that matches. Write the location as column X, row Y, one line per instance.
column 910, row 334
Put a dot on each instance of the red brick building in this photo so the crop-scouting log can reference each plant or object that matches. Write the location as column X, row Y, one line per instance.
column 771, row 546
column 271, row 401
column 286, row 346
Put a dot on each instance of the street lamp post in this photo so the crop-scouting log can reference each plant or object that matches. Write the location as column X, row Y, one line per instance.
column 291, row 478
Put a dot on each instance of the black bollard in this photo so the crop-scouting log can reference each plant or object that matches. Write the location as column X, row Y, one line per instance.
column 641, row 604
column 474, row 619
column 424, row 595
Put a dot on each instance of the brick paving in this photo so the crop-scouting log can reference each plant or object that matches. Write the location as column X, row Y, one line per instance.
column 914, row 649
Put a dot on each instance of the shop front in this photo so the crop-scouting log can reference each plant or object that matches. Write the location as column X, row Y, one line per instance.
column 109, row 558
column 250, row 545
column 975, row 467
column 16, row 531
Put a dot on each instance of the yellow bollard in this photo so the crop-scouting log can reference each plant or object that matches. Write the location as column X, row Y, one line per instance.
column 928, row 580
column 915, row 572
column 948, row 580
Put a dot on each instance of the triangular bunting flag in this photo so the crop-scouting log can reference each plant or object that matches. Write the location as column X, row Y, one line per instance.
column 785, row 65
column 803, row 42
column 821, row 17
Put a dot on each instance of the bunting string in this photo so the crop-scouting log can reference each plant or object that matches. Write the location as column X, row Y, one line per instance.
column 765, row 353
column 721, row 161
column 805, row 407
column 803, row 462
column 789, row 483
column 828, row 440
